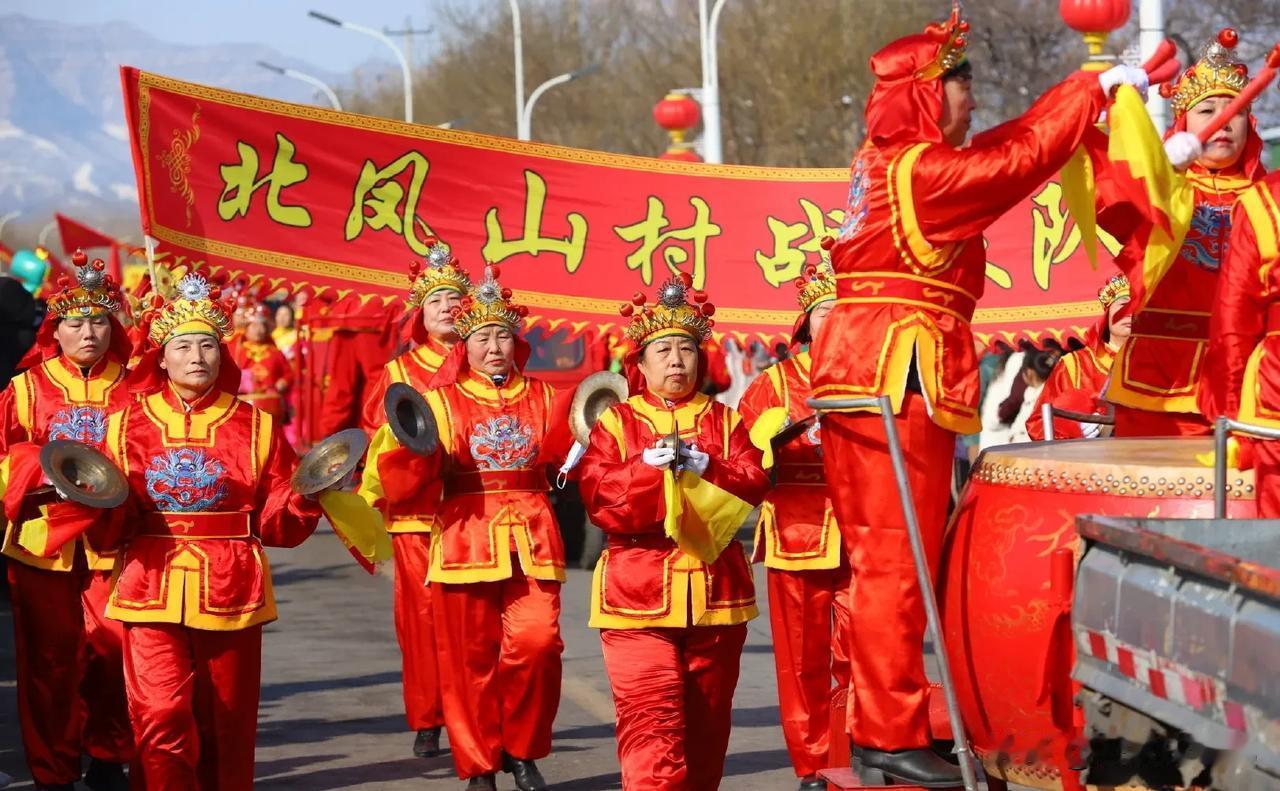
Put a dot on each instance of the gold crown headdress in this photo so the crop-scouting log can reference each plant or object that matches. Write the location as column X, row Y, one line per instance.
column 93, row 293
column 950, row 36
column 1217, row 73
column 1115, row 289
column 488, row 304
column 818, row 283
column 678, row 310
column 442, row 271
column 195, row 309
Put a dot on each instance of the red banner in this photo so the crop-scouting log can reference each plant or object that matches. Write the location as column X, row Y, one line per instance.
column 307, row 197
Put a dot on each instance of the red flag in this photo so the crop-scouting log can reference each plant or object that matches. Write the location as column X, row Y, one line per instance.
column 77, row 235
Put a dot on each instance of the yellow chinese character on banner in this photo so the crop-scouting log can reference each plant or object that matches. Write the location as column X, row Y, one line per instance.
column 240, row 181
column 787, row 261
column 1052, row 242
column 381, row 201
column 531, row 241
column 652, row 236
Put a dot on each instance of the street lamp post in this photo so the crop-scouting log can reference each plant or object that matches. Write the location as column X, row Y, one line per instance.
column 379, row 35
column 517, row 38
column 6, row 218
column 526, row 114
column 1151, row 33
column 708, row 24
column 304, row 77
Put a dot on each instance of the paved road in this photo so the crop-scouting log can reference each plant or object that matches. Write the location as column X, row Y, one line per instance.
column 331, row 712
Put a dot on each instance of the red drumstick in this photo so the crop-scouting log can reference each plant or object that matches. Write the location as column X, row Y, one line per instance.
column 1163, row 73
column 1164, row 52
column 1256, row 86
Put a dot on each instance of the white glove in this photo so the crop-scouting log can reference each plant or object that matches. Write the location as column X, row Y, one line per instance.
column 696, row 460
column 658, row 457
column 1091, row 430
column 1183, row 148
column 1123, row 74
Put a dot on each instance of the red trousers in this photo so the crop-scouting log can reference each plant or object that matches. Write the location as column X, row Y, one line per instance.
column 499, row 647
column 69, row 671
column 414, row 631
column 889, row 694
column 673, row 694
column 193, row 699
column 1266, row 469
column 809, row 616
column 1132, row 422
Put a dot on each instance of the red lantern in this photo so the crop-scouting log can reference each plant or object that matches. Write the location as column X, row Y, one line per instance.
column 1095, row 16
column 1095, row 19
column 677, row 111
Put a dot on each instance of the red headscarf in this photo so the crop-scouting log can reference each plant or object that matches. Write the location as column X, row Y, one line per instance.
column 903, row 108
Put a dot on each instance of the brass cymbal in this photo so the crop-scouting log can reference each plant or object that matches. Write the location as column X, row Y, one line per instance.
column 594, row 396
column 410, row 419
column 83, row 474
column 329, row 461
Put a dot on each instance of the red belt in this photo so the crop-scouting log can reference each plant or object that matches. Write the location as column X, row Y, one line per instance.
column 196, row 525
column 1171, row 324
column 892, row 286
column 496, row 481
column 802, row 475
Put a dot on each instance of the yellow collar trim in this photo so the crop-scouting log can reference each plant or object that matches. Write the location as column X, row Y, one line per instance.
column 480, row 388
column 687, row 415
column 195, row 427
column 427, row 357
column 94, row 389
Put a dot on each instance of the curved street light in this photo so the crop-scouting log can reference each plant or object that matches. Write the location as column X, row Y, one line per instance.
column 526, row 115
column 379, row 35
column 307, row 78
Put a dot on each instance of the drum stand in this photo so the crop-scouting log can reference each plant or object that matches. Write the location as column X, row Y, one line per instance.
column 1048, row 412
column 1223, row 427
column 924, row 578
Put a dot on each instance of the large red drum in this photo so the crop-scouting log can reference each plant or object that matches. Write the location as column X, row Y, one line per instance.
column 1007, row 574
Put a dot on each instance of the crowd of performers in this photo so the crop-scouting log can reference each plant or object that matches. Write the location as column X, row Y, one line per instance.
column 138, row 630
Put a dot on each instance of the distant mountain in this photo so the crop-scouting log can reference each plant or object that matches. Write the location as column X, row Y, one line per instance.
column 63, row 140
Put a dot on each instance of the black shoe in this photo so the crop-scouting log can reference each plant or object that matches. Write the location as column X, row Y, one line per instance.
column 525, row 773
column 106, row 776
column 921, row 767
column 482, row 783
column 812, row 783
column 427, row 744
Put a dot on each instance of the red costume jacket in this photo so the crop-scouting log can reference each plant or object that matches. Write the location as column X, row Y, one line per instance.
column 1242, row 374
column 49, row 401
column 1076, row 384
column 495, row 447
column 910, row 262
column 409, row 504
column 797, row 529
column 265, row 375
column 644, row 579
column 208, row 489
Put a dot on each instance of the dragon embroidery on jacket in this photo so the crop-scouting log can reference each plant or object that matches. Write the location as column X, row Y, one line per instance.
column 184, row 479
column 1207, row 236
column 858, row 209
column 80, row 423
column 503, row 443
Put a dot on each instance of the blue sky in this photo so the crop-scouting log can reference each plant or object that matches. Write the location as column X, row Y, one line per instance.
column 283, row 24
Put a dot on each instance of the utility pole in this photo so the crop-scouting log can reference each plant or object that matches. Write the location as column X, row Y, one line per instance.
column 408, row 34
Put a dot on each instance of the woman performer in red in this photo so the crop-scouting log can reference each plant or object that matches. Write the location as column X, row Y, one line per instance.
column 70, row 676
column 800, row 545
column 1242, row 376
column 673, row 591
column 411, row 518
column 497, row 559
column 209, row 488
column 265, row 375
column 1155, row 377
column 910, row 266
column 1077, row 380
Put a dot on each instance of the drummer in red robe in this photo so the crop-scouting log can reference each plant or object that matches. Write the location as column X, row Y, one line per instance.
column 70, row 676
column 910, row 266
column 800, row 545
column 497, row 558
column 437, row 289
column 673, row 591
column 1155, row 378
column 265, row 374
column 1242, row 376
column 209, row 488
column 1077, row 380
